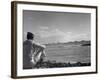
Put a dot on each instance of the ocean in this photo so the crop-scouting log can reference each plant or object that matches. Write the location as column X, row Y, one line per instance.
column 68, row 53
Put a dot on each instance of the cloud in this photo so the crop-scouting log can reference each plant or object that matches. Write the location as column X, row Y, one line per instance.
column 84, row 36
column 50, row 35
column 54, row 35
column 43, row 27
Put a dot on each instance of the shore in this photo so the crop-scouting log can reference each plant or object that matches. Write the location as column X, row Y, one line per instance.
column 54, row 64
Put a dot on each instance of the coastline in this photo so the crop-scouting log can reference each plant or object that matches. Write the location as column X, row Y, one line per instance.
column 54, row 64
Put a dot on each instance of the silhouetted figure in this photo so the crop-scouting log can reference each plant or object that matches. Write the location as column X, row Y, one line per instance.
column 33, row 53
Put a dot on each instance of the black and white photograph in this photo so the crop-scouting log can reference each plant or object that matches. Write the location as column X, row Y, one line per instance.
column 53, row 39
column 56, row 39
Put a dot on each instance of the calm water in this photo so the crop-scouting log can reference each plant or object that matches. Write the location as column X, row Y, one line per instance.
column 68, row 53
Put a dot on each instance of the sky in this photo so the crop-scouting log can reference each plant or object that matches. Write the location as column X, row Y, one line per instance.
column 53, row 27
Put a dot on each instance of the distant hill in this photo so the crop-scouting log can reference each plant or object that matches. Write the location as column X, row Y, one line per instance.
column 82, row 43
column 88, row 44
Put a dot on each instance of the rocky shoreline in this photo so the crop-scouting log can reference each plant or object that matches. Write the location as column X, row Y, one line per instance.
column 54, row 64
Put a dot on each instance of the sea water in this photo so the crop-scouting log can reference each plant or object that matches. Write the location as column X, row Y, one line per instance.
column 68, row 53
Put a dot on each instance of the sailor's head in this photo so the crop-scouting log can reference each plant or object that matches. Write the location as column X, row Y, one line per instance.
column 30, row 36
